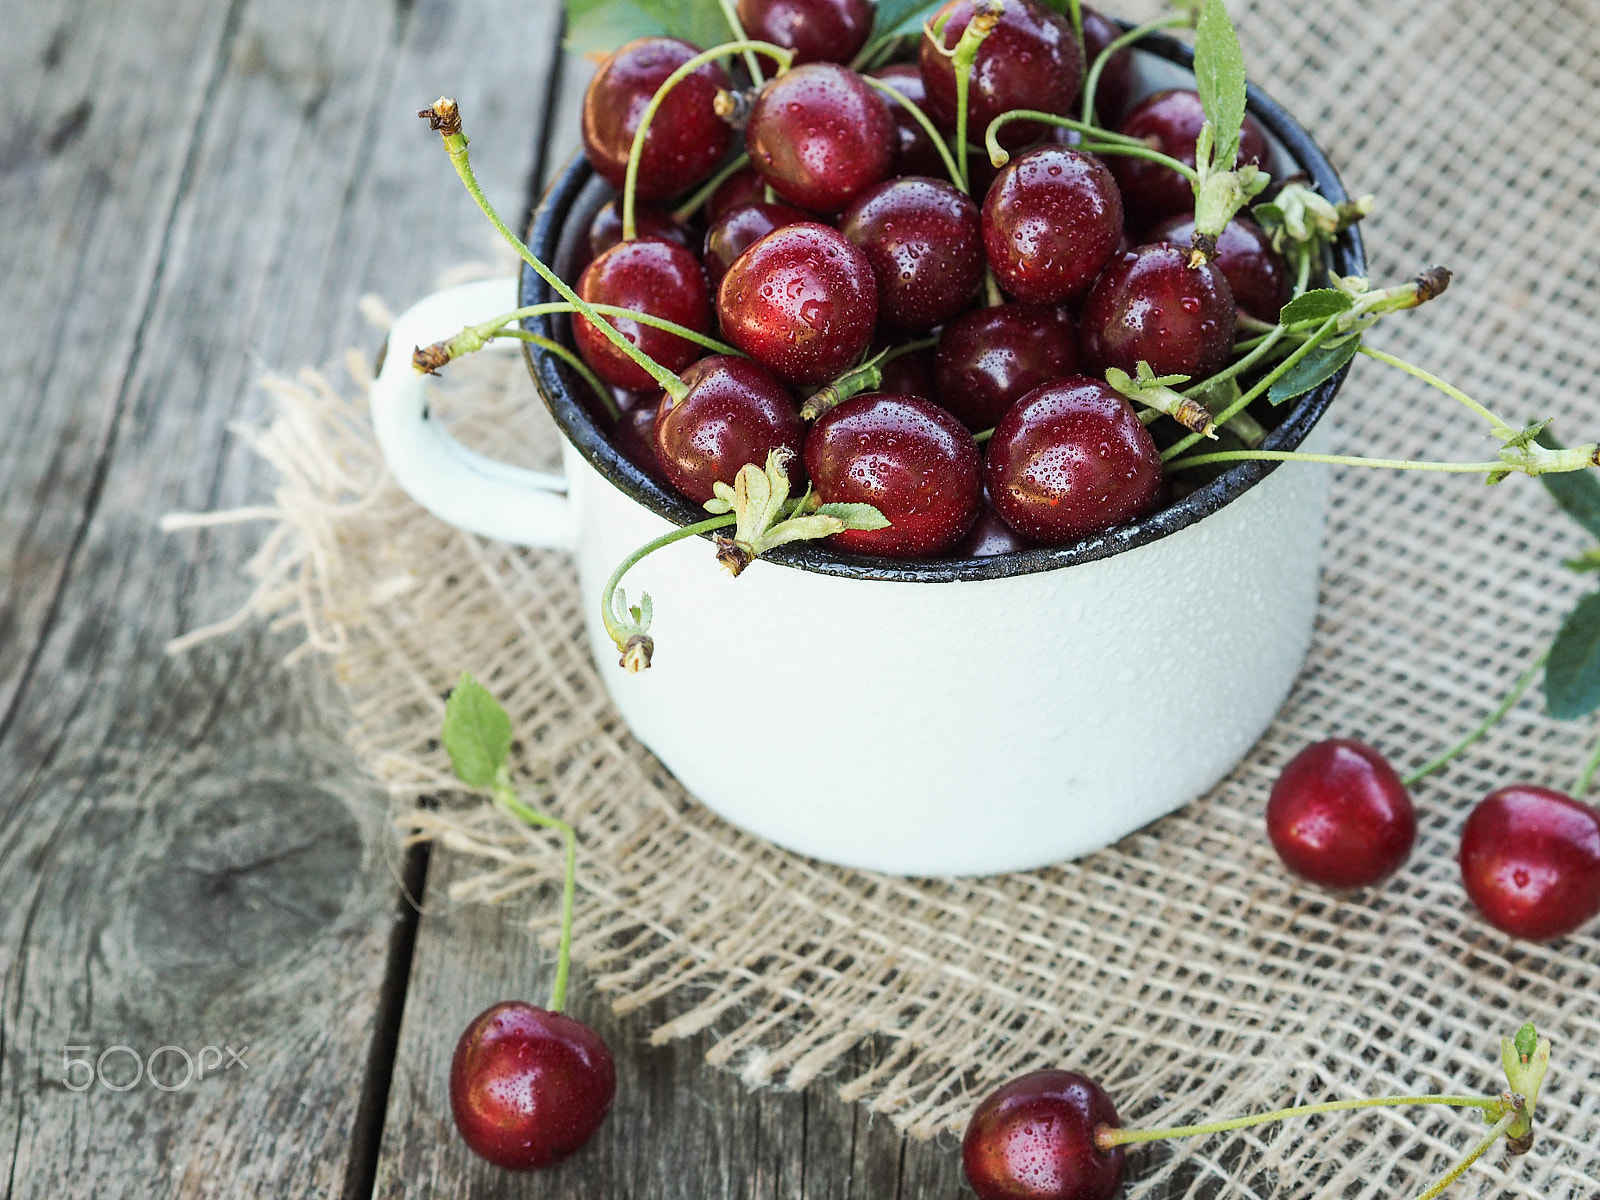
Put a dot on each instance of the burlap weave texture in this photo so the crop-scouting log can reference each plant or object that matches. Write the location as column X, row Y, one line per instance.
column 1183, row 967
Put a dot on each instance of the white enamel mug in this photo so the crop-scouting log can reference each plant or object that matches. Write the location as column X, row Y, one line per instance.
column 928, row 718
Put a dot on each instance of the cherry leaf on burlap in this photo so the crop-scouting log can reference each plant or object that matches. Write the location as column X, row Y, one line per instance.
column 1572, row 676
column 477, row 733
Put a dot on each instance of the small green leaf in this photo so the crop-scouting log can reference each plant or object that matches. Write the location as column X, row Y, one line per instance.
column 1585, row 563
column 477, row 732
column 1320, row 365
column 600, row 26
column 902, row 16
column 1572, row 676
column 1527, row 1040
column 1316, row 305
column 1576, row 492
column 1219, row 77
column 855, row 516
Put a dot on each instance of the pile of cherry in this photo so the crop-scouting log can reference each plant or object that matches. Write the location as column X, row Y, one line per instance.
column 839, row 241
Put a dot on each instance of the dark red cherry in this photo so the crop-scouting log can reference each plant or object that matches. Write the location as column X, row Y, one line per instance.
column 737, row 229
column 802, row 301
column 686, row 139
column 1051, row 219
column 989, row 536
column 743, row 187
column 820, row 136
column 649, row 276
column 634, row 433
column 528, row 1087
column 911, row 374
column 605, row 231
column 1070, row 459
column 1170, row 122
column 925, row 243
column 1116, row 81
column 908, row 457
column 1031, row 59
column 1340, row 816
column 736, row 412
column 1151, row 305
column 1256, row 273
column 1033, row 1139
column 1530, row 858
column 816, row 30
column 914, row 153
column 990, row 358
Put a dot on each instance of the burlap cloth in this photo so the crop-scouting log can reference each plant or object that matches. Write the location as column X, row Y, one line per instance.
column 1183, row 968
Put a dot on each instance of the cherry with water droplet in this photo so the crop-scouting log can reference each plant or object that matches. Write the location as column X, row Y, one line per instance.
column 820, row 136
column 528, row 1087
column 739, row 228
column 1051, row 220
column 649, row 276
column 802, row 301
column 649, row 221
column 989, row 536
column 925, row 243
column 686, row 140
column 915, row 153
column 910, row 373
column 1339, row 815
column 1530, row 860
column 1256, row 273
column 1070, row 459
column 743, row 187
column 990, row 358
column 908, row 458
column 736, row 412
column 1170, row 122
column 816, row 30
column 1150, row 305
column 1034, row 1139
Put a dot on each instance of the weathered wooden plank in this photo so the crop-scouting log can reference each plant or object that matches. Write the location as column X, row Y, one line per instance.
column 188, row 854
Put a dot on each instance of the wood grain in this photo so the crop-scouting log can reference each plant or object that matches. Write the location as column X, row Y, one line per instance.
column 189, row 855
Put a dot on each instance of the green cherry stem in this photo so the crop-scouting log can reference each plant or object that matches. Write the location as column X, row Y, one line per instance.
column 1075, row 15
column 985, row 16
column 1091, row 83
column 601, row 391
column 1581, row 788
column 1488, row 723
column 1472, row 1156
column 1107, row 1137
column 1259, row 351
column 1432, row 380
column 734, row 24
column 636, row 151
column 618, row 633
column 692, row 205
column 1098, row 141
column 1336, row 460
column 505, row 795
column 445, row 116
column 927, row 125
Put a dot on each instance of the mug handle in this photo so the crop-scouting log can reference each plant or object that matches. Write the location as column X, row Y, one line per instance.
column 458, row 485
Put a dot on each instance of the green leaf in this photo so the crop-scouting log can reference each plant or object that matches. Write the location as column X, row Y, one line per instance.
column 1316, row 305
column 477, row 733
column 1320, row 365
column 600, row 26
column 902, row 16
column 1572, row 676
column 1527, row 1040
column 1219, row 77
column 1576, row 492
column 855, row 516
column 1585, row 563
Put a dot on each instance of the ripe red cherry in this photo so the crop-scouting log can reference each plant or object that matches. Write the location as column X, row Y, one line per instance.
column 739, row 228
column 989, row 536
column 1031, row 59
column 820, row 137
column 990, row 358
column 634, row 435
column 1051, row 219
column 914, row 153
column 911, row 374
column 1170, row 122
column 649, row 276
column 1340, row 816
column 1151, row 305
column 649, row 221
column 529, row 1087
column 1256, row 273
column 908, row 457
column 743, row 187
column 1070, row 459
column 1116, row 81
column 816, row 30
column 925, row 243
column 686, row 139
column 801, row 301
column 1033, row 1139
column 1530, row 858
column 736, row 412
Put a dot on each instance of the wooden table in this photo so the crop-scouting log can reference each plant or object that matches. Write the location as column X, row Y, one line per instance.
column 190, row 857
